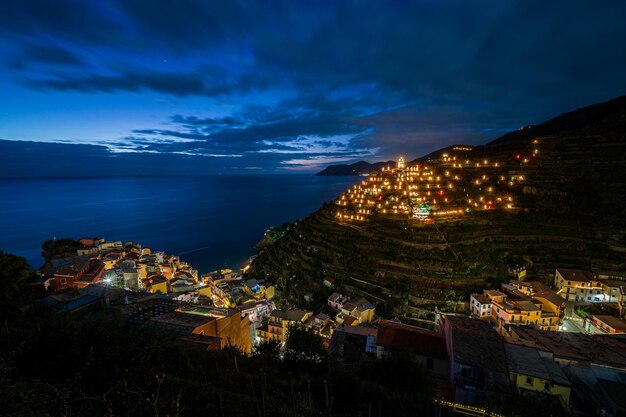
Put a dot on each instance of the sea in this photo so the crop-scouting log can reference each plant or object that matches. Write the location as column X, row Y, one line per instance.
column 210, row 221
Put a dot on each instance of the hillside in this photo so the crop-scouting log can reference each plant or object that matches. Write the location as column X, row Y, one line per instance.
column 551, row 195
column 356, row 169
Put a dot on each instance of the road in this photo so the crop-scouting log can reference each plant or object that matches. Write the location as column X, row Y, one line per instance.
column 571, row 326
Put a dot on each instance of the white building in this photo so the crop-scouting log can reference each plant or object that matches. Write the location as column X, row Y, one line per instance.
column 480, row 305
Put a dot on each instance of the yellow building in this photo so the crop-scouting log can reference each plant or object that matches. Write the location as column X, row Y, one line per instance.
column 280, row 320
column 550, row 304
column 532, row 374
column 156, row 284
column 360, row 309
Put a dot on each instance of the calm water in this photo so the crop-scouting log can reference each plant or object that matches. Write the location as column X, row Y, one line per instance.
column 211, row 222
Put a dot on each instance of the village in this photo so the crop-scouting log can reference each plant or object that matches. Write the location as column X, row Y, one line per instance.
column 566, row 339
column 451, row 185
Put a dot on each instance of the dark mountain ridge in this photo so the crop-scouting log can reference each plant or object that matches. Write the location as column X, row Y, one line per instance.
column 567, row 121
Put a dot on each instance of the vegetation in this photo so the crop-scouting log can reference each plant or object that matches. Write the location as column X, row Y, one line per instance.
column 105, row 366
column 100, row 365
column 57, row 249
column 597, row 309
column 14, row 273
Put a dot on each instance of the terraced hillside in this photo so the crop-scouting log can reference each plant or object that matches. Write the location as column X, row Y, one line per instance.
column 392, row 237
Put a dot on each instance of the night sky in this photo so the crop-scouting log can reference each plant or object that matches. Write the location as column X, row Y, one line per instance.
column 194, row 87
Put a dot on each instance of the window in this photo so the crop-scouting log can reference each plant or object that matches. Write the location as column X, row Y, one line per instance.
column 529, row 380
column 63, row 281
column 546, row 386
column 429, row 363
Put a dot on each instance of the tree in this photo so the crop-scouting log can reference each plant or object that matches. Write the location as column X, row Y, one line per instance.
column 14, row 272
column 59, row 248
column 304, row 350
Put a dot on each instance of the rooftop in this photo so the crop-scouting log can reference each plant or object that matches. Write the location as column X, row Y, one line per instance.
column 403, row 336
column 181, row 319
column 600, row 349
column 476, row 344
column 551, row 296
column 577, row 275
column 527, row 361
column 481, row 298
column 613, row 322
column 290, row 315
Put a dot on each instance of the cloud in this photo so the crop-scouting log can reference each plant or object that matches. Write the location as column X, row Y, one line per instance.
column 305, row 84
column 46, row 55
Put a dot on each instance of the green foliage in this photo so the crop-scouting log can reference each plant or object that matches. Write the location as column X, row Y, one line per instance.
column 520, row 405
column 304, row 350
column 14, row 273
column 59, row 248
column 595, row 309
column 100, row 366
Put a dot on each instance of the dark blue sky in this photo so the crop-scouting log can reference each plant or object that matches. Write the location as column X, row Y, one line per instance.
column 148, row 87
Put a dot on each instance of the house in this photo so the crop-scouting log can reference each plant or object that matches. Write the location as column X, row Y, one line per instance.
column 329, row 282
column 611, row 289
column 82, row 304
column 429, row 347
column 280, row 320
column 480, row 305
column 550, row 301
column 587, row 360
column 515, row 312
column 337, row 300
column 578, row 285
column 156, row 284
column 477, row 359
column 92, row 275
column 255, row 311
column 130, row 276
column 532, row 373
column 518, row 309
column 576, row 349
column 517, row 271
column 323, row 325
column 360, row 309
column 252, row 286
column 201, row 342
column 179, row 285
column 350, row 343
column 68, row 272
column 228, row 325
column 605, row 324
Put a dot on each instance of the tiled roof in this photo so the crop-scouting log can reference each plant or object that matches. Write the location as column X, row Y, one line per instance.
column 613, row 322
column 476, row 344
column 577, row 275
column 402, row 336
column 527, row 361
column 290, row 315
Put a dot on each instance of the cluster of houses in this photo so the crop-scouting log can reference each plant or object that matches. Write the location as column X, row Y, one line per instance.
column 471, row 362
column 345, row 312
column 508, row 345
column 227, row 288
column 119, row 264
column 533, row 303
column 519, row 302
